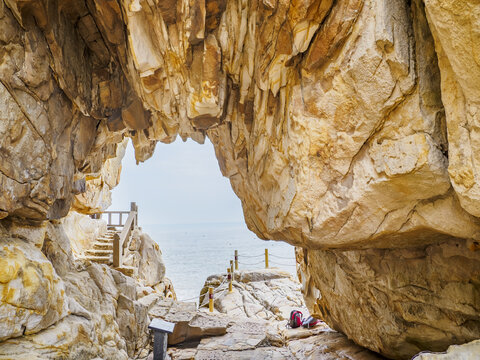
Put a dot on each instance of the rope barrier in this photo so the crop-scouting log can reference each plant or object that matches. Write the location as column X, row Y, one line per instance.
column 251, row 256
column 257, row 263
column 282, row 257
column 189, row 299
column 206, row 299
column 276, row 263
column 222, row 293
column 204, row 302
column 215, row 291
column 225, row 278
column 219, row 288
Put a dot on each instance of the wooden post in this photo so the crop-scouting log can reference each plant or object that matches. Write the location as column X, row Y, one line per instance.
column 266, row 258
column 229, row 274
column 210, row 299
column 236, row 260
column 117, row 252
column 133, row 207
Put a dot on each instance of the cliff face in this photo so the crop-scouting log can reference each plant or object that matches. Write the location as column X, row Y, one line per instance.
column 347, row 128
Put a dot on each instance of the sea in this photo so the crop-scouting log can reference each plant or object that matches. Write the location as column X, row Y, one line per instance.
column 192, row 252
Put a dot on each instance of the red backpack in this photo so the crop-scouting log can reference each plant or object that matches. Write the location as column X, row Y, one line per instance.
column 296, row 319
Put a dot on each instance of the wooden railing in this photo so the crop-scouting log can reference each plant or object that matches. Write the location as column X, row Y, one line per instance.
column 120, row 240
column 111, row 218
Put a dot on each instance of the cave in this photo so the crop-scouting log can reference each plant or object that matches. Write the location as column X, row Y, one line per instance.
column 347, row 129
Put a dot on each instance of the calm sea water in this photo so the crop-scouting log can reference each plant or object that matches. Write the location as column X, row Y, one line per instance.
column 193, row 252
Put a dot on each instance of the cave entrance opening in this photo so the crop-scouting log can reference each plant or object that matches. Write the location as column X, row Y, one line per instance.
column 190, row 210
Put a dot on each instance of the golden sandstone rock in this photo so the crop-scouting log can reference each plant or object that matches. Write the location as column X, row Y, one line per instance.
column 346, row 128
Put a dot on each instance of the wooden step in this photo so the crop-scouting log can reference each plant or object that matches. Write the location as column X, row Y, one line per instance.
column 100, row 259
column 104, row 240
column 103, row 245
column 106, row 236
column 100, row 252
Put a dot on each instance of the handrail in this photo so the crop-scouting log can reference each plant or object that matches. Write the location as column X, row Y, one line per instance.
column 110, row 223
column 119, row 241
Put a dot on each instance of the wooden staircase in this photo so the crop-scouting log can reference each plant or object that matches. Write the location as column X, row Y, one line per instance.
column 102, row 250
column 108, row 248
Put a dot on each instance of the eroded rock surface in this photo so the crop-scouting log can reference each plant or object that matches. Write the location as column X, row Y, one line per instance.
column 397, row 302
column 258, row 330
column 468, row 351
column 268, row 294
column 342, row 125
column 56, row 305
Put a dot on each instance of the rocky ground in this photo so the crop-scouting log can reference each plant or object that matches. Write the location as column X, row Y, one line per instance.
column 250, row 323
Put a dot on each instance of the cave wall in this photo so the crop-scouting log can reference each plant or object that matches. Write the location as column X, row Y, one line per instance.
column 345, row 127
column 396, row 301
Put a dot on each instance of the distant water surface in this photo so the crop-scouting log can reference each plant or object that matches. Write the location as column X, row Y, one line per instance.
column 192, row 252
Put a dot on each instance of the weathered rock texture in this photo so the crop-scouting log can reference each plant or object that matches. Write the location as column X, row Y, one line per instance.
column 468, row 351
column 57, row 306
column 413, row 299
column 268, row 294
column 250, row 323
column 345, row 125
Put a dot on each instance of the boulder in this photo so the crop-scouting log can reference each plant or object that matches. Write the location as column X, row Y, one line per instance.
column 82, row 231
column 265, row 294
column 145, row 255
column 396, row 301
column 33, row 295
column 189, row 324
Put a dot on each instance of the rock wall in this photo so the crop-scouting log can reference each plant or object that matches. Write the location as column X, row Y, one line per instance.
column 343, row 126
column 57, row 306
column 396, row 301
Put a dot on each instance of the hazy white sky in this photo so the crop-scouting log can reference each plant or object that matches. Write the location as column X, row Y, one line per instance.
column 180, row 184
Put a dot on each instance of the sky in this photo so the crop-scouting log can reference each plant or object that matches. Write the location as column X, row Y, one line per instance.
column 180, row 184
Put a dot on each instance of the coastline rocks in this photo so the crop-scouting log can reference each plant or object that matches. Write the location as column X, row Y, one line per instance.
column 145, row 255
column 341, row 125
column 56, row 306
column 247, row 335
column 268, row 294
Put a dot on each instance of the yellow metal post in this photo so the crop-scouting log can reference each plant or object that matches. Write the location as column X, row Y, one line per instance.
column 210, row 299
column 229, row 274
column 231, row 266
column 236, row 260
column 266, row 258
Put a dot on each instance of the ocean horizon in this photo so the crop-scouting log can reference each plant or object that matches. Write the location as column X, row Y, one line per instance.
column 192, row 252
